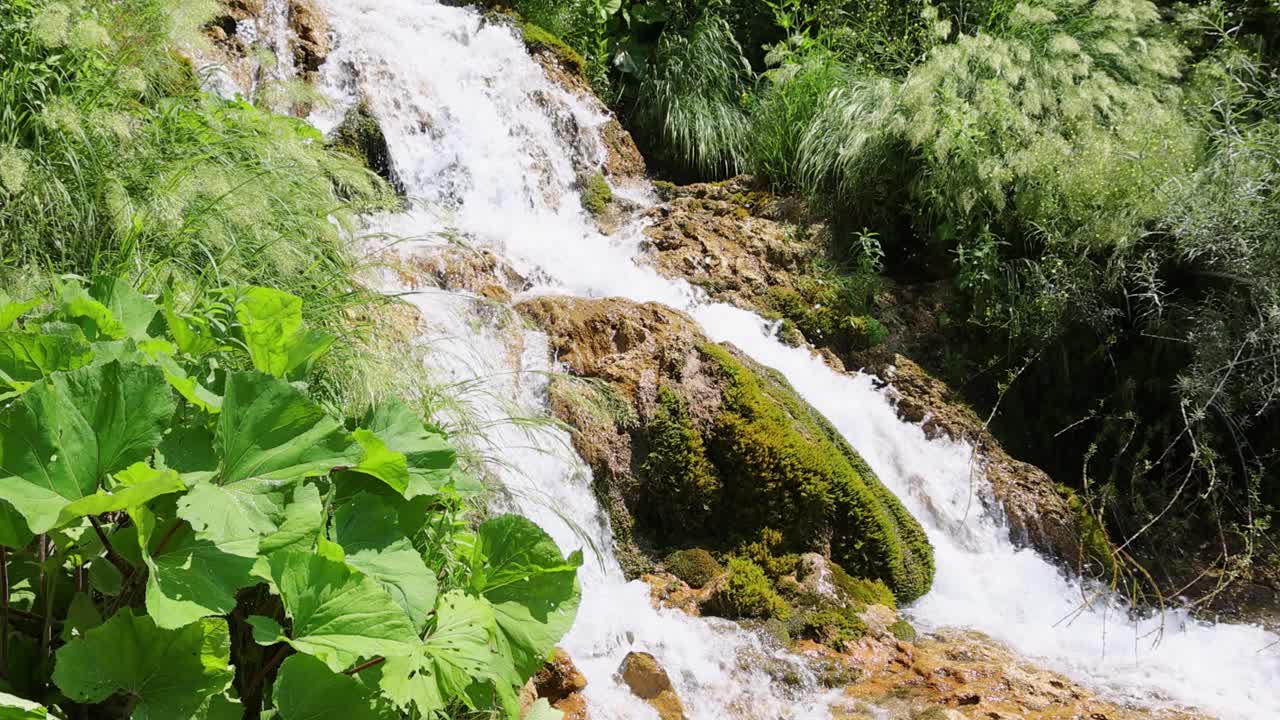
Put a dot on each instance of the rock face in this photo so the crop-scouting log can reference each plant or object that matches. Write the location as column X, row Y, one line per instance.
column 360, row 136
column 966, row 675
column 693, row 444
column 1039, row 515
column 649, row 682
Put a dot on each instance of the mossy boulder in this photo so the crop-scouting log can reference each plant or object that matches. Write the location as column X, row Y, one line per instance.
column 360, row 136
column 747, row 592
column 722, row 452
column 695, row 566
column 596, row 193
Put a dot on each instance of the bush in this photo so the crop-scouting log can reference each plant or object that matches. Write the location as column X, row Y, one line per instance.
column 695, row 566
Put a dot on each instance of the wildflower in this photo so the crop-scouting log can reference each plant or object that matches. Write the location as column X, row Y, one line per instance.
column 13, row 169
column 51, row 25
column 89, row 35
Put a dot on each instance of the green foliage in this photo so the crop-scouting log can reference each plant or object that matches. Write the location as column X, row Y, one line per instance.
column 860, row 591
column 596, row 194
column 196, row 498
column 749, row 594
column 695, row 566
column 689, row 109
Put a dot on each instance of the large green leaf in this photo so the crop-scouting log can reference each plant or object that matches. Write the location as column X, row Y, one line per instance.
column 301, row 523
column 237, row 516
column 168, row 673
column 189, row 578
column 131, row 309
column 533, row 588
column 429, row 457
column 25, row 358
column 135, row 486
column 306, row 689
column 269, row 430
column 14, row 532
column 94, row 319
column 66, row 433
column 380, row 462
column 339, row 614
column 271, row 322
column 367, row 528
column 458, row 652
column 13, row 707
column 11, row 310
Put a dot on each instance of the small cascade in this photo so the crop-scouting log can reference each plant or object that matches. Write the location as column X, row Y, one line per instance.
column 488, row 148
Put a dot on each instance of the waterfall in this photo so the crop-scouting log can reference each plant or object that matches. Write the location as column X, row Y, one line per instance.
column 489, row 148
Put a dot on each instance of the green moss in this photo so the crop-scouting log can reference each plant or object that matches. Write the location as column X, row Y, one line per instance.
column 695, row 566
column 682, row 481
column 860, row 591
column 664, row 190
column 1094, row 545
column 903, row 631
column 537, row 38
column 748, row 594
column 833, row 628
column 596, row 193
column 762, row 553
column 866, row 331
column 360, row 137
column 783, row 466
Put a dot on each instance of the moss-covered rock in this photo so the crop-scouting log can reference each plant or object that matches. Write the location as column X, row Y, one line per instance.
column 725, row 454
column 596, row 193
column 695, row 566
column 902, row 630
column 538, row 39
column 360, row 136
column 747, row 593
column 833, row 628
column 860, row 591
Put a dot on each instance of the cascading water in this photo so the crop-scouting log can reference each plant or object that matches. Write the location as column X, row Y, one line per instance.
column 488, row 147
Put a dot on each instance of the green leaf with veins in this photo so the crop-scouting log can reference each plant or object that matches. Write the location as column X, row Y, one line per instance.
column 459, row 651
column 11, row 310
column 429, row 457
column 131, row 309
column 237, row 516
column 188, row 578
column 135, row 486
column 307, row 690
column 367, row 528
column 271, row 322
column 68, row 432
column 379, row 462
column 339, row 615
column 533, row 588
column 25, row 358
column 300, row 524
column 94, row 318
column 168, row 673
column 269, row 430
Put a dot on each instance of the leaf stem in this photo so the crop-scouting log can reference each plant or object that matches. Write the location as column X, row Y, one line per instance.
column 365, row 666
column 261, row 676
column 121, row 564
column 4, row 612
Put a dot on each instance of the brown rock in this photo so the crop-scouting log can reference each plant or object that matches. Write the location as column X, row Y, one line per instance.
column 574, row 707
column 1038, row 515
column 649, row 682
column 457, row 267
column 311, row 30
column 559, row 678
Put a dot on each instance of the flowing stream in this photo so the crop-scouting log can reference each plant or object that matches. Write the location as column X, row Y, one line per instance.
column 488, row 148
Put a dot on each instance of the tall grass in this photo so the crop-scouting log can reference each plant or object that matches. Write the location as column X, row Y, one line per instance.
column 112, row 161
column 689, row 106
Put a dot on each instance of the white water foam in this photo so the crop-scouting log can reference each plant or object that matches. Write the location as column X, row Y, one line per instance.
column 491, row 147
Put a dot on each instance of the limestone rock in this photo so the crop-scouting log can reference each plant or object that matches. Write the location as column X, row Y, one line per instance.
column 310, row 41
column 559, row 678
column 649, row 682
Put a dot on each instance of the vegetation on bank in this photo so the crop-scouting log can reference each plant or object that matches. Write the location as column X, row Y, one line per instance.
column 1094, row 179
column 221, row 494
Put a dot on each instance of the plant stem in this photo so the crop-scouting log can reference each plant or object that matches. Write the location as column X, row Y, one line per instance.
column 4, row 612
column 121, row 564
column 365, row 666
column 270, row 665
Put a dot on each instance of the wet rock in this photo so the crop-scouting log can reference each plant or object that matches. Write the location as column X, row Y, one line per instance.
column 668, row 591
column 559, row 678
column 649, row 682
column 694, row 444
column 310, row 41
column 360, row 136
column 458, row 267
column 1039, row 515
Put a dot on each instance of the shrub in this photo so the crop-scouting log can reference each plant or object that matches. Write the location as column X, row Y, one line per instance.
column 695, row 566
